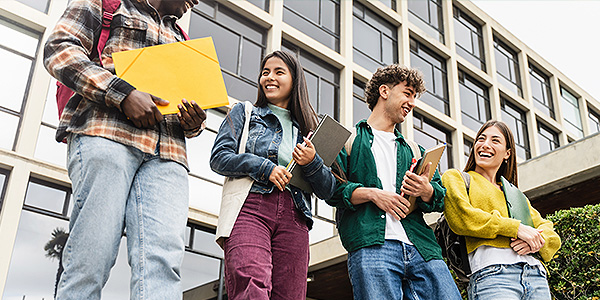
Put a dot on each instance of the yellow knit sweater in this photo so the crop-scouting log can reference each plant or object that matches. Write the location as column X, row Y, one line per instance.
column 482, row 215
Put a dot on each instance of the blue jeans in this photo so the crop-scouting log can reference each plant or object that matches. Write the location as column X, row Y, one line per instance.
column 518, row 281
column 117, row 188
column 396, row 270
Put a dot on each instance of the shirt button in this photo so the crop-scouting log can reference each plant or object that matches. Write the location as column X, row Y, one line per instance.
column 383, row 216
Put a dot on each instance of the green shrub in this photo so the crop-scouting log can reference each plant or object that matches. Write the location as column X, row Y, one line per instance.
column 575, row 269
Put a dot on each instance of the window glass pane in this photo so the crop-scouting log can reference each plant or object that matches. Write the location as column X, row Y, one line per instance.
column 239, row 88
column 50, row 109
column 322, row 81
column 462, row 35
column 428, row 135
column 310, row 12
column 434, row 71
column 205, row 242
column 262, row 4
column 327, row 99
column 468, row 102
column 360, row 109
column 508, row 67
column 214, row 118
column 32, row 274
column 198, row 270
column 9, row 129
column 389, row 50
column 205, row 195
column 537, row 89
column 41, row 5
column 330, row 15
column 570, row 111
column 428, row 16
column 3, row 175
column 548, row 140
column 435, row 12
column 31, row 271
column 467, row 145
column 594, row 122
column 502, row 64
column 419, row 8
column 198, row 150
column 239, row 44
column 312, row 84
column 321, row 230
column 389, row 3
column 517, row 122
column 324, row 210
column 18, row 38
column 14, row 78
column 45, row 197
column 250, row 60
column 321, row 22
column 366, row 39
column 227, row 43
column 48, row 149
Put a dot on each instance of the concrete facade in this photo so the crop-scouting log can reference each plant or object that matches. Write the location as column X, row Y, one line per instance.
column 30, row 159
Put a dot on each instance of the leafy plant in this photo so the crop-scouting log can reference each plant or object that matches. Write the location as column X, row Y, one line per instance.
column 575, row 269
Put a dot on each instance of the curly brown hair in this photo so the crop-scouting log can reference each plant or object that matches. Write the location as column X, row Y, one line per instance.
column 393, row 74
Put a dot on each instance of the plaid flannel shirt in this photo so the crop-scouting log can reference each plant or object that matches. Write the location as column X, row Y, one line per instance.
column 95, row 109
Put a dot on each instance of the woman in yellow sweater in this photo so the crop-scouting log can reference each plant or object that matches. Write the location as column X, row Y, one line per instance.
column 500, row 248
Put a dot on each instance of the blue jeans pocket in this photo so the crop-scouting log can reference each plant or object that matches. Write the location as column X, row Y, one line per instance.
column 486, row 272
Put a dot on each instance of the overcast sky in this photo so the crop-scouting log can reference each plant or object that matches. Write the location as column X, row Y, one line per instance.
column 564, row 32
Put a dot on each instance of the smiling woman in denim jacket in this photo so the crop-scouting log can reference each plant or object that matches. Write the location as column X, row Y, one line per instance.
column 266, row 254
column 500, row 248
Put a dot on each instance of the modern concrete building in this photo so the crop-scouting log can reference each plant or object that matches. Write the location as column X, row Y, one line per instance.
column 475, row 69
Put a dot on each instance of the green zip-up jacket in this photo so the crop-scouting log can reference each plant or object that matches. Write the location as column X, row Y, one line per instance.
column 363, row 225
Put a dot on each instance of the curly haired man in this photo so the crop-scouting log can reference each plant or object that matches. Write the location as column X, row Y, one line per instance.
column 392, row 253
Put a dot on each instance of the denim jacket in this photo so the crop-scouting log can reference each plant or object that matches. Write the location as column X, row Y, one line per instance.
column 260, row 157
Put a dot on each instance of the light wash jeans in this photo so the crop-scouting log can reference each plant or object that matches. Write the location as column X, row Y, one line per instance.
column 117, row 188
column 509, row 282
column 396, row 270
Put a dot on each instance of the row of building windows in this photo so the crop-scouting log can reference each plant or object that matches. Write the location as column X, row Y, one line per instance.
column 42, row 231
column 241, row 44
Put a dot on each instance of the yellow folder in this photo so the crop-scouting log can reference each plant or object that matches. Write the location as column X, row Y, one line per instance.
column 175, row 71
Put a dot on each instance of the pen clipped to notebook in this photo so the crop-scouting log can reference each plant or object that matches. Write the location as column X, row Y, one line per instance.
column 293, row 162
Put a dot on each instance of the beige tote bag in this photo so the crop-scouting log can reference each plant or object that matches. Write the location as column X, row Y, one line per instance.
column 235, row 190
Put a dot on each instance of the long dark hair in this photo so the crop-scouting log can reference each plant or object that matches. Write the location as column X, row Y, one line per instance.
column 299, row 104
column 508, row 168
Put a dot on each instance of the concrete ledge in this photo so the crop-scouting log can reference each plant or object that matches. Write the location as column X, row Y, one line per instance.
column 326, row 253
column 563, row 167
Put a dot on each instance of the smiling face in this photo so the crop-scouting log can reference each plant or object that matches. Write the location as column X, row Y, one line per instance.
column 399, row 101
column 276, row 82
column 490, row 150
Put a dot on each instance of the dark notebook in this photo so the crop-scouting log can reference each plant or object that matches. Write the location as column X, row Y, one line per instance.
column 329, row 138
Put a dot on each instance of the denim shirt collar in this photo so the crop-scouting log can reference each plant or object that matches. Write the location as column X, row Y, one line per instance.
column 265, row 110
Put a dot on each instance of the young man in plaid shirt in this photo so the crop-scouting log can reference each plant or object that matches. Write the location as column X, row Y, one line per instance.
column 126, row 161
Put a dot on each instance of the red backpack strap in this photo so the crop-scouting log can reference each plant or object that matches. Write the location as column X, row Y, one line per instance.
column 185, row 35
column 108, row 9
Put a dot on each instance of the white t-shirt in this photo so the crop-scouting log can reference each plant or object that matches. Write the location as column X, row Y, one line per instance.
column 485, row 256
column 384, row 150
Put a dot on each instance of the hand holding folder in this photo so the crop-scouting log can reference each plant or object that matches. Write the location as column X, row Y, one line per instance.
column 175, row 71
column 432, row 156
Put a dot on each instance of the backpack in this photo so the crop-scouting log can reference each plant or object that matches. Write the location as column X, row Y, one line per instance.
column 63, row 93
column 454, row 247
